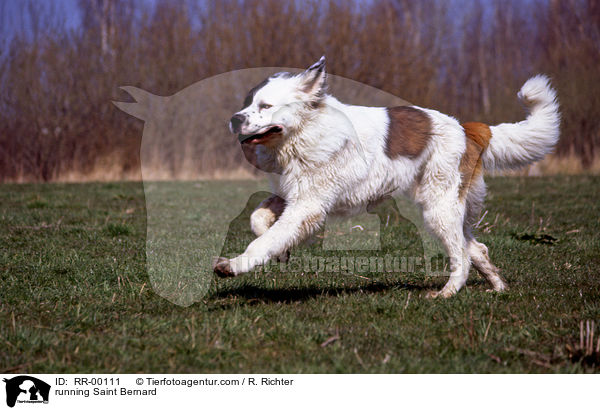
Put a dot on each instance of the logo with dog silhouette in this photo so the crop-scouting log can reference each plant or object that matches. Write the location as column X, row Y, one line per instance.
column 26, row 389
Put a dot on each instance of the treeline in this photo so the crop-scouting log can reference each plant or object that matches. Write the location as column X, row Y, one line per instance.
column 465, row 58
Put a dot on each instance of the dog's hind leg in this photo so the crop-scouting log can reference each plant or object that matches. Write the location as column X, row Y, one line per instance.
column 446, row 222
column 477, row 250
column 265, row 215
column 481, row 261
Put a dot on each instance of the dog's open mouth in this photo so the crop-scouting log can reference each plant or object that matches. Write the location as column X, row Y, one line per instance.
column 260, row 136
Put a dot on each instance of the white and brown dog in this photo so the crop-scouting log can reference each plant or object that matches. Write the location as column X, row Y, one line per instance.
column 334, row 158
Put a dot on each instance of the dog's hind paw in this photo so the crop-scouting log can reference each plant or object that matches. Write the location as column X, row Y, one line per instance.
column 498, row 289
column 444, row 294
column 432, row 294
column 223, row 268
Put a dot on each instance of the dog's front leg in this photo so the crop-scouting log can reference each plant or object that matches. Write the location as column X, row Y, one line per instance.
column 296, row 223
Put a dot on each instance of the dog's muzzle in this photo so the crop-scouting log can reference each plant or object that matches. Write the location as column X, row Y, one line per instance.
column 235, row 123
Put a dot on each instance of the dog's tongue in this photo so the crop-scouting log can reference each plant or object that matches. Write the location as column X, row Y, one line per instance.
column 251, row 141
column 254, row 138
column 247, row 138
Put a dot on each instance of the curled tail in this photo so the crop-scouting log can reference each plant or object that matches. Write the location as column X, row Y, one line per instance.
column 517, row 144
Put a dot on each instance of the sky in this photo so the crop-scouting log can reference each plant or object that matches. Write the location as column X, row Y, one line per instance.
column 12, row 19
column 12, row 10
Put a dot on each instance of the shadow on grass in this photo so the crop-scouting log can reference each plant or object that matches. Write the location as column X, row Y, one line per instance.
column 254, row 294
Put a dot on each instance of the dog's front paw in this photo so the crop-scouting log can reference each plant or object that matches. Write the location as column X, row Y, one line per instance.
column 223, row 268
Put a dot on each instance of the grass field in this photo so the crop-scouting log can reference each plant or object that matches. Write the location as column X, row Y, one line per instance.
column 75, row 294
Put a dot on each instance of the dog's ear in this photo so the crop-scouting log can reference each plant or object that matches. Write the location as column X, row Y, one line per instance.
column 314, row 79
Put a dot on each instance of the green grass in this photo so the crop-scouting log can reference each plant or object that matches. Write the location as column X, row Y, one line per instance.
column 75, row 294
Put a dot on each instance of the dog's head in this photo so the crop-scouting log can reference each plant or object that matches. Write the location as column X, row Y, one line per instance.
column 279, row 105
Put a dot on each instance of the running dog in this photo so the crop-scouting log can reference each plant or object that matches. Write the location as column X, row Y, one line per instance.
column 337, row 159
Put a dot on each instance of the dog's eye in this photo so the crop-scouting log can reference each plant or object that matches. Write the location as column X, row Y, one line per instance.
column 264, row 106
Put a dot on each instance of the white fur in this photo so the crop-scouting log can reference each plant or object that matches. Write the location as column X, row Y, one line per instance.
column 515, row 145
column 332, row 161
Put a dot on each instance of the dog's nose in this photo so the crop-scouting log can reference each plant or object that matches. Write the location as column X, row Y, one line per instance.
column 236, row 122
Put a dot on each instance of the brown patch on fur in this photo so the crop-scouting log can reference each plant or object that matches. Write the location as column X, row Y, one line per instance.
column 408, row 132
column 275, row 204
column 478, row 138
column 223, row 268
